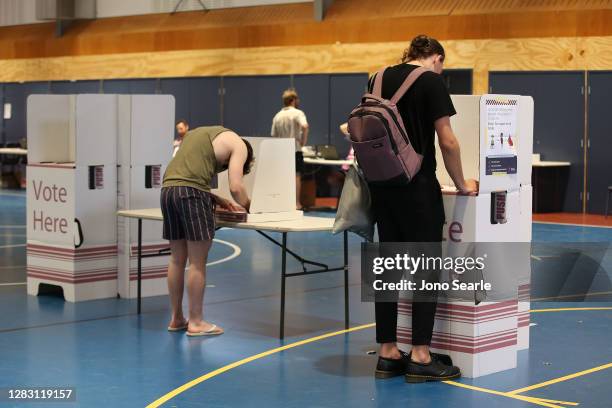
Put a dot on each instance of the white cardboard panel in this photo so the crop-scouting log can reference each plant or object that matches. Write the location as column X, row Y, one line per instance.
column 43, row 180
column 526, row 224
column 487, row 232
column 97, row 209
column 150, row 287
column 467, row 128
column 94, row 208
column 486, row 363
column 124, row 130
column 152, row 129
column 468, row 218
column 460, row 214
column 496, row 182
column 96, row 129
column 78, row 292
column 465, row 125
column 478, row 362
column 525, row 143
column 76, row 268
column 72, row 128
column 271, row 183
column 133, row 194
column 50, row 128
column 522, row 342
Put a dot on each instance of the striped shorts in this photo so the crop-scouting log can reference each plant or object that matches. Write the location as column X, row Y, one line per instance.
column 188, row 213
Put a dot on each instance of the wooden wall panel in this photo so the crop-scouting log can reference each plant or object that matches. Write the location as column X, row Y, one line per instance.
column 596, row 51
column 510, row 6
column 237, row 29
column 480, row 55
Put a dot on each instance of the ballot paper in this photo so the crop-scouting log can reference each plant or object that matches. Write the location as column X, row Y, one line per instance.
column 230, row 216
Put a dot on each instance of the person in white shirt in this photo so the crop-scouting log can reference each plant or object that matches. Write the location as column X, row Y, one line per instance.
column 291, row 122
column 182, row 127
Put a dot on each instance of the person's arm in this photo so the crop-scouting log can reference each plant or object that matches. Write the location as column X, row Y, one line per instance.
column 236, row 164
column 272, row 130
column 176, row 144
column 305, row 129
column 344, row 129
column 451, row 153
column 224, row 203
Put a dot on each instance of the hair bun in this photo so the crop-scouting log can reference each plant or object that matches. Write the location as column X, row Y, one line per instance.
column 422, row 46
column 420, row 41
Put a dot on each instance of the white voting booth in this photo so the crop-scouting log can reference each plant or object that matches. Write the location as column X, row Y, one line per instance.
column 271, row 182
column 145, row 131
column 72, row 195
column 88, row 156
column 495, row 133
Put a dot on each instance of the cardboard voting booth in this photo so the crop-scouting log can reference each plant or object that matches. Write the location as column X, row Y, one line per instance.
column 495, row 133
column 90, row 155
column 145, row 131
column 72, row 195
column 271, row 182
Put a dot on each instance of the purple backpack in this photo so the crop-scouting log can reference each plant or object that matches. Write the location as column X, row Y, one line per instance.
column 382, row 145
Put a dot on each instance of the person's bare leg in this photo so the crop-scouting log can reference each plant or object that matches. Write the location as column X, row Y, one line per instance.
column 196, row 282
column 298, row 191
column 420, row 354
column 390, row 350
column 176, row 281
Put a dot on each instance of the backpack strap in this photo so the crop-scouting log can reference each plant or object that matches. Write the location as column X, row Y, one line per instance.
column 377, row 88
column 413, row 76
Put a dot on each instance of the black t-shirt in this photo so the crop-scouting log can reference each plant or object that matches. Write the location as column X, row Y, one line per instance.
column 426, row 101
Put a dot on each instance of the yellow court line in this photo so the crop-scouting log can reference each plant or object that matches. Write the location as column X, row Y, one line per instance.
column 533, row 400
column 569, row 309
column 571, row 296
column 192, row 383
column 560, row 379
column 558, row 402
column 228, row 367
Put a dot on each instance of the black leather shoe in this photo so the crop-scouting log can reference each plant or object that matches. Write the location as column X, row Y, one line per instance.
column 443, row 358
column 388, row 367
column 435, row 370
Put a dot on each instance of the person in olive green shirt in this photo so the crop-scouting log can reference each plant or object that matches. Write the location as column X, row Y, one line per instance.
column 189, row 220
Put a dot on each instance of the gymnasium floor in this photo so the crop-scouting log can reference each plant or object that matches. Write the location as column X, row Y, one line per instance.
column 115, row 358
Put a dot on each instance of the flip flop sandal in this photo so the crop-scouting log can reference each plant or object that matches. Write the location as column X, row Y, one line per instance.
column 178, row 329
column 213, row 331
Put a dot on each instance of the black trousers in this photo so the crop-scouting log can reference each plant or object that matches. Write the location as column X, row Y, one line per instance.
column 411, row 213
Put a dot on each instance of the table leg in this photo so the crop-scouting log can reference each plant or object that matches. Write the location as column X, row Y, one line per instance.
column 346, row 283
column 139, row 264
column 283, row 278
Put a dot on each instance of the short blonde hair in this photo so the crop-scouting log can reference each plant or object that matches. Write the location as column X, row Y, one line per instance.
column 289, row 96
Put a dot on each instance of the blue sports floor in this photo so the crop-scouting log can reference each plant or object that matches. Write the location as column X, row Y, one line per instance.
column 115, row 358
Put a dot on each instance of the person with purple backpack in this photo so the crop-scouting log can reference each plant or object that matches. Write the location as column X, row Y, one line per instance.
column 393, row 133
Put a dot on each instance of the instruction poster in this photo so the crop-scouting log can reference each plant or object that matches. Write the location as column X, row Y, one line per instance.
column 499, row 118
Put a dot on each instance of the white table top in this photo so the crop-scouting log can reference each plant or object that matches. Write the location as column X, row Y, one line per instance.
column 303, row 224
column 452, row 190
column 13, row 150
column 324, row 162
column 551, row 164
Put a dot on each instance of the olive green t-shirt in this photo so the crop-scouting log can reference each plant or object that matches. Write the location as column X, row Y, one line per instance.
column 195, row 164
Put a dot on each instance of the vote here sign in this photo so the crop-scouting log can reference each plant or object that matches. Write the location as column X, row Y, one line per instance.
column 50, row 204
